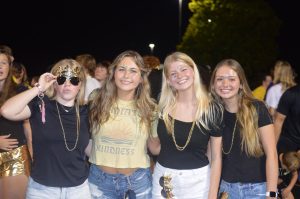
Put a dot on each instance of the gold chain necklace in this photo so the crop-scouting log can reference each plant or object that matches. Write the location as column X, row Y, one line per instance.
column 232, row 139
column 66, row 110
column 181, row 148
column 63, row 130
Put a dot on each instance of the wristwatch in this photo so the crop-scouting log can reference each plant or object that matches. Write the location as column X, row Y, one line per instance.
column 272, row 194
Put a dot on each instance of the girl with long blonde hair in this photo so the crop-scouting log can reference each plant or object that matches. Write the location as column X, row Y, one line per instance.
column 187, row 123
column 123, row 122
column 249, row 148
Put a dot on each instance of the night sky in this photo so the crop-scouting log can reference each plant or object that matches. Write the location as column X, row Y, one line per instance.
column 40, row 33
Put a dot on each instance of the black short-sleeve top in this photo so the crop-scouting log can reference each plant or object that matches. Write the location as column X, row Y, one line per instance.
column 237, row 166
column 194, row 155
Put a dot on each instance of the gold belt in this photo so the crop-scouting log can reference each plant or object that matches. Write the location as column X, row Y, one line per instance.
column 15, row 162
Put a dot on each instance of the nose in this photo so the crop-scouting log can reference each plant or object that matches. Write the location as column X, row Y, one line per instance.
column 225, row 82
column 126, row 73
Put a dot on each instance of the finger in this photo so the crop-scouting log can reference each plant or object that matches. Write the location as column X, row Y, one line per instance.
column 13, row 143
column 5, row 136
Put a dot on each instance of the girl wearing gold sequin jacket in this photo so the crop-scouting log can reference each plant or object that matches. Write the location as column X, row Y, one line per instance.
column 187, row 124
column 123, row 123
column 60, row 132
column 249, row 167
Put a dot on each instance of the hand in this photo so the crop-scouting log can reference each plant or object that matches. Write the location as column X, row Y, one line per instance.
column 285, row 193
column 46, row 80
column 7, row 143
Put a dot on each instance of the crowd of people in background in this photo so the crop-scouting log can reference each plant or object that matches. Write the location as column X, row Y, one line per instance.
column 135, row 128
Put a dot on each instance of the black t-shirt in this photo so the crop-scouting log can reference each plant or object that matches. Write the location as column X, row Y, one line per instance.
column 14, row 128
column 289, row 105
column 194, row 155
column 237, row 166
column 53, row 164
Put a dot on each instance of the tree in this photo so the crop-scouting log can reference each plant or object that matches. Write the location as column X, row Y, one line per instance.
column 240, row 29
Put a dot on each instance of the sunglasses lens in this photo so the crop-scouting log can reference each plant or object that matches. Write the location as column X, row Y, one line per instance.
column 161, row 181
column 61, row 80
column 75, row 81
column 163, row 193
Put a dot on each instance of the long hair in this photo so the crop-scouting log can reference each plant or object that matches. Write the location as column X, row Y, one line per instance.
column 105, row 98
column 51, row 93
column 9, row 87
column 206, row 110
column 283, row 73
column 247, row 115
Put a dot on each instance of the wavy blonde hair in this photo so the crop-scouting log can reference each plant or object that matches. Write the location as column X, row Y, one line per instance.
column 284, row 74
column 102, row 100
column 247, row 115
column 207, row 111
column 51, row 92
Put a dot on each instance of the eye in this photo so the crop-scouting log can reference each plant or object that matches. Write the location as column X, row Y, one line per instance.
column 219, row 79
column 120, row 69
column 133, row 71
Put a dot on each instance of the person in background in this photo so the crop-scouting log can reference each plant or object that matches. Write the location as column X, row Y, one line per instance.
column 283, row 79
column 20, row 74
column 34, row 80
column 155, row 74
column 289, row 164
column 60, row 132
column 250, row 161
column 101, row 71
column 88, row 62
column 260, row 92
column 123, row 123
column 186, row 127
column 14, row 155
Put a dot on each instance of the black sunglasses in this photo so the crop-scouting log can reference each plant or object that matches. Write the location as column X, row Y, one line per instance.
column 74, row 80
column 165, row 183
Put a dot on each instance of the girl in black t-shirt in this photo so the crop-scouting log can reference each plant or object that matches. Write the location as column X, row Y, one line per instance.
column 14, row 154
column 60, row 132
column 249, row 166
column 187, row 125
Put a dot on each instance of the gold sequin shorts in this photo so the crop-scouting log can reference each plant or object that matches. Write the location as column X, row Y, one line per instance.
column 15, row 162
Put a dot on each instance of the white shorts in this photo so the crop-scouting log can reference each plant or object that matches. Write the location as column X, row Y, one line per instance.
column 187, row 184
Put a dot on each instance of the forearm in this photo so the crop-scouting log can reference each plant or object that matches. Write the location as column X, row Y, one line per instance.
column 272, row 172
column 13, row 108
column 293, row 181
column 216, row 164
column 154, row 145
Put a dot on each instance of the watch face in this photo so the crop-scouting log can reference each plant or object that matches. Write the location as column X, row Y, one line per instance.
column 273, row 194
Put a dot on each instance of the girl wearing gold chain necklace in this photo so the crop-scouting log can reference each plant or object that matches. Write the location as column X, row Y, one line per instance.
column 249, row 167
column 123, row 124
column 188, row 122
column 60, row 132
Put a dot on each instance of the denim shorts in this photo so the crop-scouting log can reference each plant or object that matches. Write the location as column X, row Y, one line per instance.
column 38, row 191
column 117, row 186
column 244, row 190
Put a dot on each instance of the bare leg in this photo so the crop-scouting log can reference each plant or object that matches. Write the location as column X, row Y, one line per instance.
column 13, row 187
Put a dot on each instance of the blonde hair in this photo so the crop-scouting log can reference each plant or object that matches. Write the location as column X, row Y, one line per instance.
column 206, row 110
column 291, row 160
column 247, row 115
column 283, row 73
column 102, row 100
column 51, row 93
